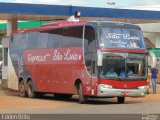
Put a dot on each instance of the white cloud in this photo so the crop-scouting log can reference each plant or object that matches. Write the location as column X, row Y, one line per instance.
column 146, row 7
column 61, row 2
column 91, row 3
column 151, row 2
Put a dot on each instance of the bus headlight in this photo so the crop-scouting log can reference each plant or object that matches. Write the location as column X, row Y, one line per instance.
column 142, row 87
column 105, row 86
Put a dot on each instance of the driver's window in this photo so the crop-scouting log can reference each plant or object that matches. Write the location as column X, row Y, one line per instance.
column 90, row 49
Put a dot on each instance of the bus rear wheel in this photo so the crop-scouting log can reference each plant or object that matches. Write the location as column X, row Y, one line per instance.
column 22, row 90
column 120, row 100
column 82, row 98
column 30, row 92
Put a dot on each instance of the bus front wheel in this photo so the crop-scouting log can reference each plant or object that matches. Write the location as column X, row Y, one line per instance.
column 22, row 90
column 82, row 98
column 31, row 93
column 120, row 99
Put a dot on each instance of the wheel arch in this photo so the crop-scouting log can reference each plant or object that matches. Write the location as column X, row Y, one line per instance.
column 20, row 79
column 29, row 79
column 76, row 86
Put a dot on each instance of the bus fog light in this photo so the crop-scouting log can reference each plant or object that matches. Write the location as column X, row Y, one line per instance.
column 105, row 86
column 142, row 87
column 142, row 94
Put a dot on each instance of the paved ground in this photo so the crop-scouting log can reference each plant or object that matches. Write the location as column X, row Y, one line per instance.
column 10, row 102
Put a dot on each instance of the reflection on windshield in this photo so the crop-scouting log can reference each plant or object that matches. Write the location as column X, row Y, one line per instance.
column 123, row 66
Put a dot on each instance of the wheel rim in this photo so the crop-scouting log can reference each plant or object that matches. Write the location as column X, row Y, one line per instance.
column 22, row 89
column 30, row 89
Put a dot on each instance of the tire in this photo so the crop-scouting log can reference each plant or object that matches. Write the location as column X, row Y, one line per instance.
column 22, row 90
column 121, row 100
column 82, row 98
column 30, row 92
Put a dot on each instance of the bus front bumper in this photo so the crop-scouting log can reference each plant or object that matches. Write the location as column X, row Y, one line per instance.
column 113, row 92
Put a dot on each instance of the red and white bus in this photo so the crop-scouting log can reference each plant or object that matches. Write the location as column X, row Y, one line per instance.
column 89, row 59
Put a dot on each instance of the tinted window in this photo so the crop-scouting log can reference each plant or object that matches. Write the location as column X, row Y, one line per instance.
column 54, row 40
column 72, row 37
column 90, row 49
column 32, row 40
column 65, row 37
column 42, row 41
column 22, row 41
column 89, row 39
column 14, row 43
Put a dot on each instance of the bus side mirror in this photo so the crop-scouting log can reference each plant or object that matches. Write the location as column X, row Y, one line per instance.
column 99, row 58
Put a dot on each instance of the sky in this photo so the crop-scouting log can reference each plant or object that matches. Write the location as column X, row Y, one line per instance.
column 92, row 3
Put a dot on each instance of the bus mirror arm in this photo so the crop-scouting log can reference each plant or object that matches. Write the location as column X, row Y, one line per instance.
column 99, row 71
column 99, row 58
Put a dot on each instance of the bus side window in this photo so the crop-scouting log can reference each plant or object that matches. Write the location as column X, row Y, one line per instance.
column 14, row 49
column 32, row 40
column 77, row 34
column 54, row 38
column 72, row 37
column 22, row 41
column 42, row 40
column 90, row 49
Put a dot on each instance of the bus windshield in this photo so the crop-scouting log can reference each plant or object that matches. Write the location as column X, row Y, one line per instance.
column 127, row 38
column 123, row 66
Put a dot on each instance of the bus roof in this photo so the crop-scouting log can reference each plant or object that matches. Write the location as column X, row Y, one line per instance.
column 67, row 24
column 51, row 26
column 114, row 24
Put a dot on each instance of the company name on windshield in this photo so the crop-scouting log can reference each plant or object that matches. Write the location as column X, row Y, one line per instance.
column 121, row 36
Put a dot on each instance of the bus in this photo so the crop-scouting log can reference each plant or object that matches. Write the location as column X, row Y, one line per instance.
column 93, row 59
